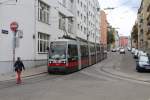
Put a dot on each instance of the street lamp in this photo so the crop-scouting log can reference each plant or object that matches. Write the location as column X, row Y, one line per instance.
column 109, row 8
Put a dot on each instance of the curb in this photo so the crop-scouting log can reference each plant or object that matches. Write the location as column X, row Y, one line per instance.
column 23, row 77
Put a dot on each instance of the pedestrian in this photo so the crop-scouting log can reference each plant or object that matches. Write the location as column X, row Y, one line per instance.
column 18, row 66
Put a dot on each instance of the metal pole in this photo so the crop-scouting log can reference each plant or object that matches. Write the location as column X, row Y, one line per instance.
column 14, row 47
column 88, row 33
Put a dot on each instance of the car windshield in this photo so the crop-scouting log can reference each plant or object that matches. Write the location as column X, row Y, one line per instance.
column 57, row 50
column 144, row 59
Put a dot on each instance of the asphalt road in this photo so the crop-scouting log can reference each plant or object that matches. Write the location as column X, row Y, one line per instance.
column 101, row 81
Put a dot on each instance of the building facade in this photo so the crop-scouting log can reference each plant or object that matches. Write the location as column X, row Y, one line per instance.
column 103, row 28
column 42, row 21
column 123, row 41
column 144, row 26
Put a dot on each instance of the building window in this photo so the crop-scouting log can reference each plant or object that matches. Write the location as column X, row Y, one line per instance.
column 43, row 12
column 81, row 4
column 70, row 5
column 85, row 19
column 81, row 16
column 64, row 2
column 78, row 13
column 62, row 22
column 43, row 42
column 70, row 25
column 84, row 30
column 81, row 28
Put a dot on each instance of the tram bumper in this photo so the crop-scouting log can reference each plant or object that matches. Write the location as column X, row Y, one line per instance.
column 52, row 69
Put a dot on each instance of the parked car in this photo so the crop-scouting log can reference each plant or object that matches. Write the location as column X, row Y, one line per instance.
column 133, row 50
column 122, row 51
column 143, row 64
column 117, row 49
column 113, row 50
column 136, row 52
column 129, row 49
column 141, row 53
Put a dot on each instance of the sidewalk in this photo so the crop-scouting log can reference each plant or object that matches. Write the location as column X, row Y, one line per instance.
column 27, row 73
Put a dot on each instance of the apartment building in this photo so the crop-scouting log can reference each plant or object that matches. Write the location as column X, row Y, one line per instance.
column 103, row 27
column 123, row 40
column 144, row 26
column 41, row 21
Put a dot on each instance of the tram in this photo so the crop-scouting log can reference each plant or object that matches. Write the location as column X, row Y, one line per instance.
column 67, row 55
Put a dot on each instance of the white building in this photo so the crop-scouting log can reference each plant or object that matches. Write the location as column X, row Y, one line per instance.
column 42, row 21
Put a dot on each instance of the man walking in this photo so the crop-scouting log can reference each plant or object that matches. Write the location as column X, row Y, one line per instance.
column 18, row 66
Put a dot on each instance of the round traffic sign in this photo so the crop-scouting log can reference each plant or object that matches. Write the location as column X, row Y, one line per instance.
column 14, row 26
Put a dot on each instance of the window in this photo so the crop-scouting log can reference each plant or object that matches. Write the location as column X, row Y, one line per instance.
column 43, row 42
column 72, row 52
column 81, row 4
column 62, row 22
column 85, row 19
column 64, row 2
column 78, row 26
column 84, row 51
column 43, row 12
column 78, row 13
column 70, row 26
column 84, row 30
column 81, row 27
column 70, row 5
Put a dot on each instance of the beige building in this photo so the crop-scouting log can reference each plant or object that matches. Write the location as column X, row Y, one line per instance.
column 103, row 28
column 144, row 26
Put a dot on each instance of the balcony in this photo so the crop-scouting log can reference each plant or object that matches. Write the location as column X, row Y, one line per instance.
column 141, row 20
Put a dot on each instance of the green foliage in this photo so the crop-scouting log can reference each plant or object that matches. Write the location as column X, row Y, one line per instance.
column 110, row 37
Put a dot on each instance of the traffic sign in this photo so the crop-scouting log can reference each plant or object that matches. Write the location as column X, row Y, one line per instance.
column 14, row 26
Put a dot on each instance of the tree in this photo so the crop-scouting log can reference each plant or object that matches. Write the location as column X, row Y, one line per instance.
column 110, row 37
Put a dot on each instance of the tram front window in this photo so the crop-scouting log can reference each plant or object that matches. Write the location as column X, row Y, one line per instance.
column 57, row 50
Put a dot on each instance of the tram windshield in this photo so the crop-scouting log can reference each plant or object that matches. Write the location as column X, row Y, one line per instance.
column 57, row 50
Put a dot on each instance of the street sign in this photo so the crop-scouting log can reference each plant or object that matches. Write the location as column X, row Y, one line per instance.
column 14, row 26
column 4, row 31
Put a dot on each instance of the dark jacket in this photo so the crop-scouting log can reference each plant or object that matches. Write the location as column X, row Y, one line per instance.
column 19, row 65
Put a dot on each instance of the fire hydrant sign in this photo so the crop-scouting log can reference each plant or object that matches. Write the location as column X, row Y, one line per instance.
column 14, row 26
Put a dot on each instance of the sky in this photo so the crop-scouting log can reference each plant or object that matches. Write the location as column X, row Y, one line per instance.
column 123, row 16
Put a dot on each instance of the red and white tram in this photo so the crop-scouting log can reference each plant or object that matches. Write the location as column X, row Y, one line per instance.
column 67, row 55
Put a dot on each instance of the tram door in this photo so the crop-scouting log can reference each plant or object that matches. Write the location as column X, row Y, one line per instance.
column 72, row 56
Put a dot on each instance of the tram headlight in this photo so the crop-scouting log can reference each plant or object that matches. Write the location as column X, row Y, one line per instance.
column 50, row 62
column 64, row 62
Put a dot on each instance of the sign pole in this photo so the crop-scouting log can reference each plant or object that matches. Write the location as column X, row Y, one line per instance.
column 14, row 47
column 14, row 26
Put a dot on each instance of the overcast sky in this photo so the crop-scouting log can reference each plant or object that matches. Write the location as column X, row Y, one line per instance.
column 124, row 14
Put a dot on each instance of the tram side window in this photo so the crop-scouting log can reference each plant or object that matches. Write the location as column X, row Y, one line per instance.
column 98, row 48
column 84, row 51
column 72, row 52
column 92, row 49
